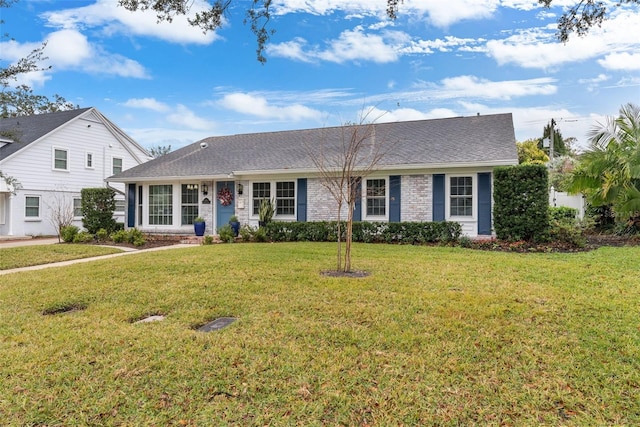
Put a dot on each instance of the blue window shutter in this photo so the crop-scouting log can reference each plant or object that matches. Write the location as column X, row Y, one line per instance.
column 131, row 206
column 438, row 197
column 301, row 200
column 357, row 208
column 484, row 203
column 394, row 198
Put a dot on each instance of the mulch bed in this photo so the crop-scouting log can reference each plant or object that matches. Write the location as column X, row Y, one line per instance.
column 594, row 241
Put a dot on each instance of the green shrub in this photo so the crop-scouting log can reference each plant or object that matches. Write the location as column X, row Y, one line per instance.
column 247, row 232
column 119, row 236
column 260, row 235
column 208, row 240
column 564, row 231
column 226, row 234
column 102, row 235
column 83, row 237
column 68, row 233
column 132, row 236
column 521, row 202
column 561, row 213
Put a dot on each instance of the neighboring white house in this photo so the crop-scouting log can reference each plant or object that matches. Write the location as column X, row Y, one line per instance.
column 54, row 156
column 437, row 170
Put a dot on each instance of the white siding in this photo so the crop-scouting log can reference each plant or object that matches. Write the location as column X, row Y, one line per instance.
column 33, row 168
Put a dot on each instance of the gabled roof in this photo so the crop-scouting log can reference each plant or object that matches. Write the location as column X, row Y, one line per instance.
column 18, row 132
column 460, row 141
column 24, row 130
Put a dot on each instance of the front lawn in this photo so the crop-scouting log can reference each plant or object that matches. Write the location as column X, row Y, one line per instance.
column 25, row 256
column 434, row 336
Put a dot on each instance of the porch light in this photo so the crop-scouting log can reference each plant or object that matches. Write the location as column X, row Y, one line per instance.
column 240, row 188
column 205, row 189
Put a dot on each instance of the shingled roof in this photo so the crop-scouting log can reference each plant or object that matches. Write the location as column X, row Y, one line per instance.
column 459, row 141
column 24, row 130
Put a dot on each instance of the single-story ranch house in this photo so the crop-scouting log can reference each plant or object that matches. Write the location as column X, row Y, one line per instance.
column 435, row 170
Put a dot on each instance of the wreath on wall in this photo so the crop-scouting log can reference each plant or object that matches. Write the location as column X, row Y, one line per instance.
column 225, row 197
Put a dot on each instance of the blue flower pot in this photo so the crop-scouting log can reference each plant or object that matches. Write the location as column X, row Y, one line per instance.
column 199, row 228
column 235, row 226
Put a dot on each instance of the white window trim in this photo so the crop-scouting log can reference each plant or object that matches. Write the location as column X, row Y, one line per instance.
column 363, row 203
column 474, row 195
column 33, row 218
column 272, row 191
column 121, row 165
column 53, row 159
column 93, row 160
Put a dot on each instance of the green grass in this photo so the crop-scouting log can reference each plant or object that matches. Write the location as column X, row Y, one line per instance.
column 25, row 256
column 435, row 336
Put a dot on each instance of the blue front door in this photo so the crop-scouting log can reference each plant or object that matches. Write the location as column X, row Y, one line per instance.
column 223, row 213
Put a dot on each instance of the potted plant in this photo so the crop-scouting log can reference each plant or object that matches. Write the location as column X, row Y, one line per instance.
column 235, row 225
column 265, row 214
column 199, row 226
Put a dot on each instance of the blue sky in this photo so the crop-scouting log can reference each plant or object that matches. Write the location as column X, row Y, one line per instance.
column 329, row 61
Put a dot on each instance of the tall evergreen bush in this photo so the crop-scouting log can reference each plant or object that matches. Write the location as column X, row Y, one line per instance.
column 98, row 205
column 521, row 202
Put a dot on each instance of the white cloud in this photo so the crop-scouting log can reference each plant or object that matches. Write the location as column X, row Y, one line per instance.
column 186, row 118
column 407, row 114
column 538, row 47
column 147, row 104
column 474, row 87
column 70, row 50
column 440, row 13
column 112, row 18
column 259, row 106
column 351, row 45
column 621, row 61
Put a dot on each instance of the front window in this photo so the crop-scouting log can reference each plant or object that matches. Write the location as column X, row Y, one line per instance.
column 117, row 165
column 461, row 196
column 77, row 208
column 261, row 191
column 160, row 205
column 376, row 197
column 60, row 160
column 32, row 207
column 286, row 198
column 189, row 203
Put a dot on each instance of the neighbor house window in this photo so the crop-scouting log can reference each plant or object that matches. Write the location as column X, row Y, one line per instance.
column 160, row 205
column 120, row 206
column 89, row 161
column 77, row 208
column 376, row 197
column 117, row 165
column 261, row 191
column 140, row 205
column 60, row 159
column 32, row 207
column 285, row 198
column 189, row 204
column 460, row 196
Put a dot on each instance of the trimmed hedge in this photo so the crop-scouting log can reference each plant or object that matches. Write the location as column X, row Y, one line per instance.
column 521, row 202
column 365, row 232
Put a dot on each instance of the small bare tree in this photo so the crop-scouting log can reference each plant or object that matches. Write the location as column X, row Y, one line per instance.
column 60, row 211
column 342, row 164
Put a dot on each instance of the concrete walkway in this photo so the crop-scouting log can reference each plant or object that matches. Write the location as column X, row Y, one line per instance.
column 125, row 251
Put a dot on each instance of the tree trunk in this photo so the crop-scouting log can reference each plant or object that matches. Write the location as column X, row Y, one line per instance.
column 339, row 266
column 348, row 240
